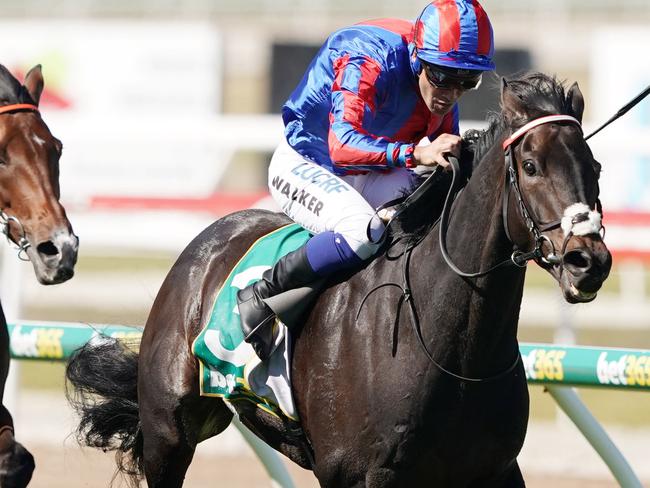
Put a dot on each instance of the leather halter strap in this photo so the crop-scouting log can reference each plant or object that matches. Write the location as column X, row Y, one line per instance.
column 17, row 107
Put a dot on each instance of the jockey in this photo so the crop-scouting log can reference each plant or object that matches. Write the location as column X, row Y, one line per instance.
column 352, row 129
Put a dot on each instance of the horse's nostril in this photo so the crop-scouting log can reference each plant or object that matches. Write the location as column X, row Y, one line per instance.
column 578, row 259
column 47, row 248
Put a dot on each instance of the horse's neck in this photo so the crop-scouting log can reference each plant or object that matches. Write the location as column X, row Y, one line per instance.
column 477, row 316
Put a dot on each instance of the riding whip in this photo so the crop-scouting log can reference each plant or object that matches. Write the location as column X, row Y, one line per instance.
column 623, row 110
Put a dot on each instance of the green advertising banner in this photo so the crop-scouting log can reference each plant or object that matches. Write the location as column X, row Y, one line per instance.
column 586, row 366
column 544, row 363
column 57, row 340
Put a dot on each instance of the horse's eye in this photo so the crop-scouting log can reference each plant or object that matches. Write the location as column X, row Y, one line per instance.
column 529, row 168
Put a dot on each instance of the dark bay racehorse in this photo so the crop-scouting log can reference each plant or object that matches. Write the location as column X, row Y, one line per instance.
column 33, row 219
column 432, row 396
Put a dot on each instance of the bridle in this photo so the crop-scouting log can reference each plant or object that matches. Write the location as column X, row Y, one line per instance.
column 23, row 242
column 511, row 183
column 520, row 258
column 5, row 218
column 18, row 107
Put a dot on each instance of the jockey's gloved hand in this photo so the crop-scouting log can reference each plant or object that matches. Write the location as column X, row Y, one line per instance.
column 435, row 154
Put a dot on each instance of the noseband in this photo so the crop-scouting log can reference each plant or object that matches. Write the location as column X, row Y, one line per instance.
column 573, row 217
column 578, row 219
column 6, row 219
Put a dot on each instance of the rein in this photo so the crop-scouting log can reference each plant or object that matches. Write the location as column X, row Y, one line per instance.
column 518, row 258
column 6, row 219
column 407, row 296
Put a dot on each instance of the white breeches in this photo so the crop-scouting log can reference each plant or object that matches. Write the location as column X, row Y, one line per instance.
column 320, row 201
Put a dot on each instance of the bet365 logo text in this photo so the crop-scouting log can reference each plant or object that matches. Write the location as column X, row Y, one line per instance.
column 541, row 364
column 37, row 343
column 629, row 370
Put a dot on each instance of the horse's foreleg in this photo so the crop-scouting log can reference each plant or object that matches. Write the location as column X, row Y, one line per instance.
column 16, row 462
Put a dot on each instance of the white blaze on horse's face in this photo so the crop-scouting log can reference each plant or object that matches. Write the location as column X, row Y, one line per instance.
column 38, row 140
column 31, row 213
column 579, row 220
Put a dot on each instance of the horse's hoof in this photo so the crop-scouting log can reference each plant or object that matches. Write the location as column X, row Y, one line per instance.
column 16, row 468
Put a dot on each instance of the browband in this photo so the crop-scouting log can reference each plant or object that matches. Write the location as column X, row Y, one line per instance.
column 534, row 123
column 18, row 106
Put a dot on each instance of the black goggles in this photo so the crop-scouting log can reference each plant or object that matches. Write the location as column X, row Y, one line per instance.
column 448, row 79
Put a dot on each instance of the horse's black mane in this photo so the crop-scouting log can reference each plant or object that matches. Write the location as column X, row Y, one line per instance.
column 11, row 90
column 539, row 93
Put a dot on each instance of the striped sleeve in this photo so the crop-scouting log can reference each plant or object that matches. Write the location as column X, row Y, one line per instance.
column 358, row 87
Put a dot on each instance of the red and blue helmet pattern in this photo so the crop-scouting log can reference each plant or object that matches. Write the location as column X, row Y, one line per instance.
column 455, row 34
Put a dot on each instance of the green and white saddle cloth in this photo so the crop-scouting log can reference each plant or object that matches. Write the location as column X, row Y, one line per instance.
column 229, row 367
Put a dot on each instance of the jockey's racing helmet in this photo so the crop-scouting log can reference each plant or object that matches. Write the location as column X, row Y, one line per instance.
column 454, row 34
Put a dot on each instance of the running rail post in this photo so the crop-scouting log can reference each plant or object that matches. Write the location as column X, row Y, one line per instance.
column 275, row 468
column 580, row 415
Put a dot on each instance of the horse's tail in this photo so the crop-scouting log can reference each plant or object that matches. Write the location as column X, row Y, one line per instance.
column 101, row 386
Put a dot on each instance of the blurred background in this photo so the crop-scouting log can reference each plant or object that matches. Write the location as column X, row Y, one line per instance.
column 168, row 112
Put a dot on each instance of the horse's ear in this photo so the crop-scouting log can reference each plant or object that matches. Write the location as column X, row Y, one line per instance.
column 575, row 101
column 34, row 83
column 511, row 104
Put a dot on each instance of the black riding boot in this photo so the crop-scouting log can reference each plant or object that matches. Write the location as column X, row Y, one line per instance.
column 257, row 318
